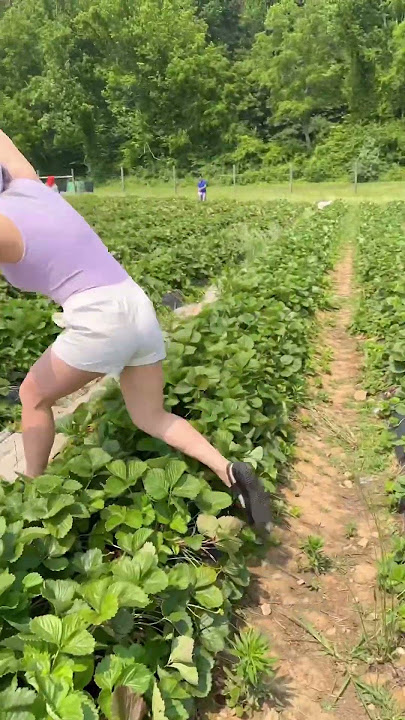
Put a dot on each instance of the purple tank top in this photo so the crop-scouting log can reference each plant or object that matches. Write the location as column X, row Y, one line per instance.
column 62, row 254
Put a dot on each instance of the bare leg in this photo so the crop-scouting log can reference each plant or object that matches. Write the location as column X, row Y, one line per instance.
column 142, row 388
column 48, row 380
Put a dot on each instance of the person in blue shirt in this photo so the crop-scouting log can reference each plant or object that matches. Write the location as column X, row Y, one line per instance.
column 202, row 189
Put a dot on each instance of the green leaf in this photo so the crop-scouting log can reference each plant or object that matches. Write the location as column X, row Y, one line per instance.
column 173, row 472
column 6, row 581
column 210, row 597
column 204, row 663
column 135, row 470
column 213, row 637
column 90, row 711
column 188, row 487
column 137, row 677
column 32, row 580
column 60, row 525
column 134, row 519
column 182, row 650
column 117, row 517
column 207, row 525
column 8, row 664
column 118, row 468
column 16, row 699
column 204, row 576
column 139, row 538
column 146, row 558
column 83, row 668
column 48, row 628
column 129, row 595
column 101, row 599
column 158, row 705
column 124, row 541
column 70, row 707
column 98, row 458
column 75, row 640
column 189, row 673
column 182, row 622
column 81, row 466
column 2, row 525
column 105, row 703
column 179, row 524
column 32, row 533
column 126, row 568
column 90, row 562
column 107, row 672
column 229, row 526
column 155, row 582
column 56, row 503
column 155, row 484
column 212, row 502
column 228, row 534
column 181, row 576
column 115, row 487
column 194, row 542
column 56, row 564
column 181, row 658
column 123, row 622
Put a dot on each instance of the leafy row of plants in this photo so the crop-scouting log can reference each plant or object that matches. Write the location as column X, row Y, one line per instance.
column 180, row 245
column 175, row 245
column 381, row 313
column 119, row 568
column 380, row 317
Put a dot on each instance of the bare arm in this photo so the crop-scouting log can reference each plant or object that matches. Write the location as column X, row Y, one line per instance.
column 11, row 242
column 15, row 162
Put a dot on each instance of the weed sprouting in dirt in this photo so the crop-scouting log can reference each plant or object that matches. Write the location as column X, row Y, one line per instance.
column 250, row 673
column 318, row 561
column 351, row 530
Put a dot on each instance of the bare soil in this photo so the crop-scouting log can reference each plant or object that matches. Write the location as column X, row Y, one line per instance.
column 329, row 499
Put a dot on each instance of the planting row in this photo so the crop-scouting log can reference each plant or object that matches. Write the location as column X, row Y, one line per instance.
column 120, row 568
column 163, row 245
column 381, row 274
column 381, row 319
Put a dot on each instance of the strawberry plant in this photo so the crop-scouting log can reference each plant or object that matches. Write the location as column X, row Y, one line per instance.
column 163, row 245
column 120, row 567
column 380, row 318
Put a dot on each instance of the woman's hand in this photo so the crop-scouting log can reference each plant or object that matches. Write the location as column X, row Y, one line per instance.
column 15, row 162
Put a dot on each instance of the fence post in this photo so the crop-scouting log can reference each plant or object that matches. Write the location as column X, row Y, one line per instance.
column 73, row 180
column 291, row 177
column 122, row 179
column 234, row 176
column 174, row 180
column 356, row 175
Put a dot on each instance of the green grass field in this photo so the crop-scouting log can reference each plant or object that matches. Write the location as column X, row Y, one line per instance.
column 307, row 192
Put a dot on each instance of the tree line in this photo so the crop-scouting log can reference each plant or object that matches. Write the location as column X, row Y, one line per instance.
column 96, row 84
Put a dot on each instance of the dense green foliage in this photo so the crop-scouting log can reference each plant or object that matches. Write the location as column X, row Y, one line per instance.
column 381, row 312
column 381, row 318
column 206, row 83
column 164, row 246
column 119, row 568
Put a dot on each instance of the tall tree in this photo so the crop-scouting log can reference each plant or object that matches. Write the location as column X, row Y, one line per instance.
column 362, row 31
column 298, row 60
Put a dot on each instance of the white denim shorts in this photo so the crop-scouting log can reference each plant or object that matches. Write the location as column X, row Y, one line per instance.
column 109, row 328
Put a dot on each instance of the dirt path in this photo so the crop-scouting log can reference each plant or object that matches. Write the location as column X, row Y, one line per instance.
column 331, row 496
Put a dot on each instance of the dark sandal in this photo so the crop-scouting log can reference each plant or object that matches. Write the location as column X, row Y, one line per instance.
column 247, row 488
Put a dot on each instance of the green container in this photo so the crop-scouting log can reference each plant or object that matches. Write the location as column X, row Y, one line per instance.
column 71, row 186
column 80, row 186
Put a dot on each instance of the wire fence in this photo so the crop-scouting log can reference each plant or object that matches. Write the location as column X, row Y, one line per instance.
column 289, row 177
column 232, row 177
